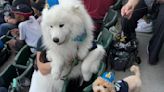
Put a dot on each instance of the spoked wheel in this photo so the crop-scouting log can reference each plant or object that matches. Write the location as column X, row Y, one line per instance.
column 138, row 60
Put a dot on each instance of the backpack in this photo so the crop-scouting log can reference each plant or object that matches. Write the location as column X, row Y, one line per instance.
column 123, row 55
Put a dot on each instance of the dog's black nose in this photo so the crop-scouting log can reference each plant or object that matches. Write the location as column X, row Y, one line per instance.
column 56, row 40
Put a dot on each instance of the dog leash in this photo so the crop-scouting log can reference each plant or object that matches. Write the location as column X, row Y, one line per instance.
column 140, row 9
column 137, row 10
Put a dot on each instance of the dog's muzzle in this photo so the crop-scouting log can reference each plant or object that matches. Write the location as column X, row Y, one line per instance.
column 56, row 40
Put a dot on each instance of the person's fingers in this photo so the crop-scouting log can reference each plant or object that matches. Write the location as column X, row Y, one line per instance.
column 123, row 11
column 130, row 16
column 128, row 9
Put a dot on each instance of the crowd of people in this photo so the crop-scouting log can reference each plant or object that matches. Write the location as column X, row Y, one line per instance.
column 21, row 20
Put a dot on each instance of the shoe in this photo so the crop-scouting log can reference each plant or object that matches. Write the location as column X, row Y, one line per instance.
column 143, row 26
column 151, row 61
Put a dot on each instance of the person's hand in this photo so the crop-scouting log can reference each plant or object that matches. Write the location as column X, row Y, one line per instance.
column 12, row 21
column 14, row 32
column 44, row 68
column 127, row 10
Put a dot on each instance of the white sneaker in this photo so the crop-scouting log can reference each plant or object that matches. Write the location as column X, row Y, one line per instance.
column 143, row 26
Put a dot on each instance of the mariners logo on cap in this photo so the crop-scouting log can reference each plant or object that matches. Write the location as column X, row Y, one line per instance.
column 108, row 76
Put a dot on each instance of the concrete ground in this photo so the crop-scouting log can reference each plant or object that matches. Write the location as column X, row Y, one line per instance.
column 152, row 76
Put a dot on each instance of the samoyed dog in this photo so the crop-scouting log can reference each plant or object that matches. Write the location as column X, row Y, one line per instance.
column 67, row 35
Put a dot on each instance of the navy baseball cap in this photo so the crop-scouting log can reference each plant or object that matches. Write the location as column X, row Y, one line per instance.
column 23, row 9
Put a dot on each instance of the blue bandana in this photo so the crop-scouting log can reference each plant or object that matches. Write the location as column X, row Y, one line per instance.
column 52, row 3
column 80, row 38
column 108, row 76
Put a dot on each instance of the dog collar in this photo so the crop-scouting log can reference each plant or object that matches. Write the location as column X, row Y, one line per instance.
column 51, row 3
column 108, row 76
column 80, row 38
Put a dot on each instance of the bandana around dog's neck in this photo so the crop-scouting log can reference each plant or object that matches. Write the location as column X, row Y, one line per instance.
column 81, row 37
column 108, row 77
column 51, row 3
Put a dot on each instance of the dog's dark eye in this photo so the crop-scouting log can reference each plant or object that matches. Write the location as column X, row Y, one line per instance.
column 61, row 25
column 98, row 84
column 51, row 26
column 104, row 87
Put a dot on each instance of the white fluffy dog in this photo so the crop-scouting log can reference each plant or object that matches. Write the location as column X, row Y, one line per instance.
column 67, row 34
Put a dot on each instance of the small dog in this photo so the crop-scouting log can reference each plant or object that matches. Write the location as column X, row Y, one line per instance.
column 129, row 84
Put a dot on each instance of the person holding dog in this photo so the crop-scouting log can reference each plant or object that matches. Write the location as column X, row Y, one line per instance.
column 131, row 12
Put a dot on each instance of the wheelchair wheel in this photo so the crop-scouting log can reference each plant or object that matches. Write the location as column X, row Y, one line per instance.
column 138, row 60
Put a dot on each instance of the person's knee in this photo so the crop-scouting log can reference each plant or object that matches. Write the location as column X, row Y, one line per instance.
column 5, row 27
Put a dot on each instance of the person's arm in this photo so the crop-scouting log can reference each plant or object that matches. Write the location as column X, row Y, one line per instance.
column 22, row 33
column 15, row 33
column 44, row 68
column 12, row 21
column 128, row 8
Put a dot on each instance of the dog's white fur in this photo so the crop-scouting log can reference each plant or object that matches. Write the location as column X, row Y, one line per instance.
column 65, row 22
column 134, row 82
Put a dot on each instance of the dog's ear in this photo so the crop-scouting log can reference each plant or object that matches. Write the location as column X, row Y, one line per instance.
column 76, row 7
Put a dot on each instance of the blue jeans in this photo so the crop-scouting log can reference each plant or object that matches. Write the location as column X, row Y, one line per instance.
column 5, row 27
column 3, row 89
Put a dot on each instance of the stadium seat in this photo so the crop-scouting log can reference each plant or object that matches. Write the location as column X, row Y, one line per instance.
column 117, row 5
column 110, row 18
column 105, row 38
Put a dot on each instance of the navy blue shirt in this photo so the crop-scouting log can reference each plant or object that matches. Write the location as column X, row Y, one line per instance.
column 121, row 86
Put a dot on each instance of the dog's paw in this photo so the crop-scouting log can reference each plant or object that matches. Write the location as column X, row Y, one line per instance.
column 55, row 74
column 95, row 68
column 87, row 76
